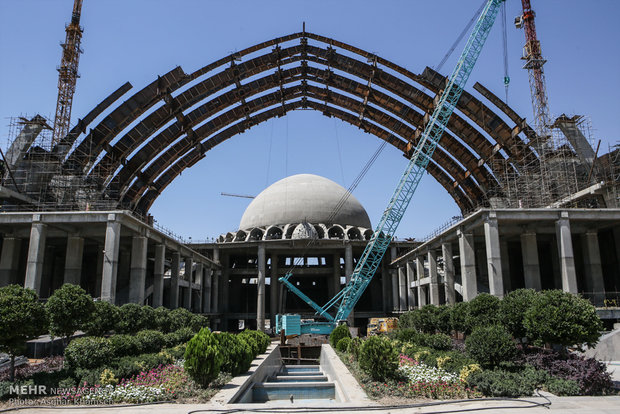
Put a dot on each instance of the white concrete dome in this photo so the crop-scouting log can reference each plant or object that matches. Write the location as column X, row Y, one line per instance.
column 303, row 197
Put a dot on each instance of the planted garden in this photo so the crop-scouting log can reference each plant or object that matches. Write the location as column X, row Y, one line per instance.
column 486, row 347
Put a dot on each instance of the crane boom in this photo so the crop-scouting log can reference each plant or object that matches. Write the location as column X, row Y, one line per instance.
column 368, row 263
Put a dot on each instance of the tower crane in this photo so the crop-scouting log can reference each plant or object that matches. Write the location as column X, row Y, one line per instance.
column 68, row 74
column 534, row 62
column 345, row 300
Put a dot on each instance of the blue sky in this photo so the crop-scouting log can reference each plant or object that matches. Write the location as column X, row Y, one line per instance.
column 136, row 40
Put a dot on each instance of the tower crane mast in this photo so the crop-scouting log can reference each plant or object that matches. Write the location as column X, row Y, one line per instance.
column 534, row 62
column 68, row 74
column 347, row 298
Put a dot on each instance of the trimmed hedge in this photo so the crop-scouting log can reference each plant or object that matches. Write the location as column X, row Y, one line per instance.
column 88, row 352
column 483, row 310
column 490, row 345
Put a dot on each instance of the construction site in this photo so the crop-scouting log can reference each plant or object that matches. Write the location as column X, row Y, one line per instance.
column 539, row 200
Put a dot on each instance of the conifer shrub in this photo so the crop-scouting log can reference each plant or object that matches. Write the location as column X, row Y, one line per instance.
column 378, row 358
column 354, row 347
column 339, row 332
column 88, row 352
column 343, row 344
column 203, row 357
column 237, row 354
column 490, row 345
column 259, row 338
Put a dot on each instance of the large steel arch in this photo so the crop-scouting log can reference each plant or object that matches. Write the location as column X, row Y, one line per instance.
column 138, row 149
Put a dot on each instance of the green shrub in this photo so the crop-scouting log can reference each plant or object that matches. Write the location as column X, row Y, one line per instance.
column 444, row 324
column 559, row 386
column 150, row 341
column 483, row 310
column 354, row 347
column 490, row 345
column 102, row 320
column 343, row 344
column 175, row 352
column 512, row 310
column 457, row 361
column 180, row 318
column 148, row 318
column 88, row 352
column 439, row 341
column 183, row 335
column 129, row 366
column 123, row 345
column 409, row 320
column 458, row 316
column 405, row 335
column 500, row 383
column 237, row 354
column 197, row 322
column 162, row 319
column 562, row 318
column 428, row 319
column 378, row 358
column 203, row 357
column 130, row 319
column 341, row 331
column 69, row 309
column 260, row 338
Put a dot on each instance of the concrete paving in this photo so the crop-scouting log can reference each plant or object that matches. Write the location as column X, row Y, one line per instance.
column 532, row 405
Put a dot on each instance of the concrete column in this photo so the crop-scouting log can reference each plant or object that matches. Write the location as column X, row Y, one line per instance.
column 448, row 267
column 73, row 260
column 432, row 271
column 402, row 289
column 503, row 248
column 174, row 280
column 206, row 291
column 137, row 275
column 336, row 276
column 468, row 265
column 200, row 280
column 99, row 270
column 189, row 264
column 9, row 260
column 593, row 266
column 385, row 288
column 419, row 262
column 36, row 252
column 274, row 290
column 260, row 297
column 217, row 276
column 531, row 268
column 158, row 275
column 494, row 259
column 565, row 251
column 410, row 278
column 348, row 271
column 110, row 259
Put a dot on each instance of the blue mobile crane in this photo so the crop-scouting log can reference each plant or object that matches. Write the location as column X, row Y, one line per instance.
column 345, row 300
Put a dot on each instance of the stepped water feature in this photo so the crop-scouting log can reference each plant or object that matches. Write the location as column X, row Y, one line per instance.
column 294, row 383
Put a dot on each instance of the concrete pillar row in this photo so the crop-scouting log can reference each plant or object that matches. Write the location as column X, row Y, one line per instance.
column 9, row 260
column 432, row 272
column 175, row 264
column 260, row 297
column 448, row 267
column 593, row 267
column 566, row 256
column 494, row 259
column 158, row 275
column 137, row 275
column 73, row 260
column 189, row 268
column 468, row 265
column 531, row 267
column 419, row 262
column 36, row 253
column 274, row 290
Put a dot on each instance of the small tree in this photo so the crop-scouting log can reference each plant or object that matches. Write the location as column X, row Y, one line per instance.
column 69, row 309
column 512, row 310
column 378, row 358
column 22, row 317
column 341, row 331
column 444, row 314
column 489, row 345
column 429, row 319
column 103, row 319
column 483, row 310
column 562, row 318
column 458, row 316
column 203, row 357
